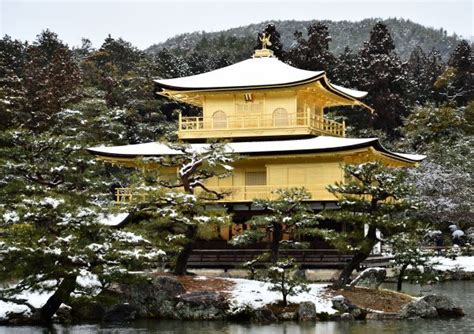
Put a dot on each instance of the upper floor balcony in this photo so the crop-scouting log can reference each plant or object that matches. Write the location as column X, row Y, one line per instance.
column 279, row 124
column 234, row 194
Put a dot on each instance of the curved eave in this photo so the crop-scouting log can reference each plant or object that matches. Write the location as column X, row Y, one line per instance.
column 369, row 143
column 174, row 91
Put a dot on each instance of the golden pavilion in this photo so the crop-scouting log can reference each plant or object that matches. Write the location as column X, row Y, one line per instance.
column 273, row 115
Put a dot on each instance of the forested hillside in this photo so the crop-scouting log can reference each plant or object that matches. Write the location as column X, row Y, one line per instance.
column 406, row 34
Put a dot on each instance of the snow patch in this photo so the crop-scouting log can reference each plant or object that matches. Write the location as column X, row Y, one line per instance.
column 53, row 202
column 113, row 219
column 257, row 294
column 463, row 263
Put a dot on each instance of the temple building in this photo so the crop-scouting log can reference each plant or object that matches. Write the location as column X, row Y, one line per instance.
column 274, row 115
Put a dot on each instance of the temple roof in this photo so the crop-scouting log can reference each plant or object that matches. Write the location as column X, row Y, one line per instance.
column 311, row 145
column 254, row 73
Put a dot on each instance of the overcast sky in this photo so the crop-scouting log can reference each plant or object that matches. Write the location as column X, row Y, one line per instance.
column 147, row 22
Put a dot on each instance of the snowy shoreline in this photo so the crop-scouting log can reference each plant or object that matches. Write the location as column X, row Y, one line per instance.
column 245, row 293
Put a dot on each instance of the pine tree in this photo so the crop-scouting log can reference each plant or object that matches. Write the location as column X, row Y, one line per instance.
column 423, row 70
column 313, row 53
column 284, row 278
column 53, row 192
column 458, row 78
column 445, row 135
column 413, row 263
column 375, row 199
column 286, row 215
column 53, row 197
column 176, row 217
column 384, row 77
column 170, row 65
column 51, row 78
column 346, row 72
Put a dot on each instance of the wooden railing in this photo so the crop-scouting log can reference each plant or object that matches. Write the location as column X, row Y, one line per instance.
column 314, row 122
column 233, row 193
column 307, row 258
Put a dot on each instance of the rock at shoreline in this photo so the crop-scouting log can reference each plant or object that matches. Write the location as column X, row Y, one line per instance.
column 201, row 305
column 264, row 315
column 149, row 298
column 154, row 297
column 343, row 305
column 307, row 311
column 444, row 306
column 370, row 278
column 85, row 309
column 418, row 309
column 121, row 313
column 347, row 317
column 382, row 316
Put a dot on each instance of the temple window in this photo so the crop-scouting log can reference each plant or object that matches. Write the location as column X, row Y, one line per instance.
column 219, row 120
column 255, row 178
column 280, row 117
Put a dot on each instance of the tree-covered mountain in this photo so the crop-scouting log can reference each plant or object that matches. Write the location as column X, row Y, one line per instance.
column 406, row 34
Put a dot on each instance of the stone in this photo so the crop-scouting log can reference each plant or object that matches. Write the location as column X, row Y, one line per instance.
column 121, row 313
column 287, row 316
column 18, row 319
column 444, row 306
column 63, row 314
column 307, row 311
column 85, row 309
column 201, row 305
column 202, row 298
column 382, row 316
column 418, row 309
column 264, row 315
column 370, row 278
column 347, row 317
column 343, row 305
column 152, row 297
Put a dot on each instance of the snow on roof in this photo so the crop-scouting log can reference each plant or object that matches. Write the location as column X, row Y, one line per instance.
column 351, row 92
column 253, row 72
column 416, row 157
column 316, row 144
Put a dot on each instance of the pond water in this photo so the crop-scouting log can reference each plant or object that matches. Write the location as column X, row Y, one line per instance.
column 460, row 291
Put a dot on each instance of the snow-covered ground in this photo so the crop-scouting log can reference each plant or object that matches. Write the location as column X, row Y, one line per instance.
column 464, row 263
column 256, row 294
column 36, row 299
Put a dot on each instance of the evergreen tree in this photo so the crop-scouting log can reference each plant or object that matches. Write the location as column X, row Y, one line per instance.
column 423, row 70
column 51, row 79
column 313, row 53
column 178, row 216
column 413, row 263
column 170, row 65
column 384, row 77
column 53, row 193
column 277, row 46
column 284, row 278
column 458, row 79
column 444, row 134
column 286, row 215
column 12, row 92
column 346, row 72
column 51, row 217
column 375, row 199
